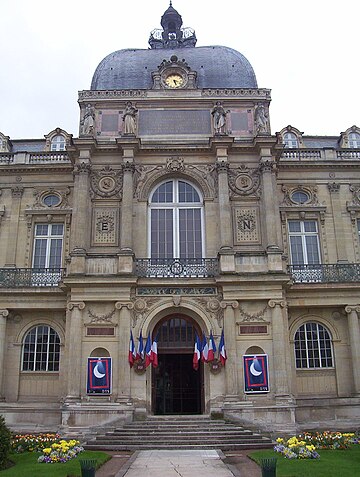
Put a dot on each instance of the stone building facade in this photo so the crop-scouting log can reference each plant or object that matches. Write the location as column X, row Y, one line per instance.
column 176, row 211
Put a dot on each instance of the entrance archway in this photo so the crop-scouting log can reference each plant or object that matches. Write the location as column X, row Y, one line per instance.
column 176, row 387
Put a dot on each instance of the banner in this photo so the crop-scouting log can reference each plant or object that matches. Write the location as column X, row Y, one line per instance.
column 256, row 375
column 99, row 376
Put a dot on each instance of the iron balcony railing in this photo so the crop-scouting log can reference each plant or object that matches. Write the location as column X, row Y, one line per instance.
column 328, row 273
column 177, row 267
column 30, row 277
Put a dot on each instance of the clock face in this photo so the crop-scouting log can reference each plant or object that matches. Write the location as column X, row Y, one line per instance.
column 174, row 81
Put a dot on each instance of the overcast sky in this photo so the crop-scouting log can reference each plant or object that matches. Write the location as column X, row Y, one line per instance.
column 306, row 52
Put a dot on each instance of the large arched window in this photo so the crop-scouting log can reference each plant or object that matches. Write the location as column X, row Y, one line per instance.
column 58, row 143
column 290, row 140
column 354, row 140
column 313, row 347
column 41, row 349
column 176, row 221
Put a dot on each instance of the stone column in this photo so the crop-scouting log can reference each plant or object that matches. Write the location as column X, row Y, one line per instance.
column 354, row 336
column 232, row 363
column 269, row 200
column 281, row 357
column 3, row 315
column 124, row 388
column 13, row 226
column 74, row 349
column 81, row 216
column 126, row 231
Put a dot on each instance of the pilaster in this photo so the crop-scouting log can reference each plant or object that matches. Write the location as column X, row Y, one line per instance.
column 13, row 226
column 3, row 316
column 74, row 320
column 231, row 367
column 354, row 336
column 124, row 320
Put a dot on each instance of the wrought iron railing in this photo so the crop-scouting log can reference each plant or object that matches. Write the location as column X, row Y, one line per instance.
column 30, row 277
column 177, row 267
column 326, row 273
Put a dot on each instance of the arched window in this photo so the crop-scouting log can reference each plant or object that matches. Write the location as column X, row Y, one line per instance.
column 41, row 349
column 176, row 221
column 58, row 143
column 313, row 348
column 290, row 140
column 354, row 140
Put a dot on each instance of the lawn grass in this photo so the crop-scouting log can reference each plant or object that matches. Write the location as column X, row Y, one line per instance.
column 332, row 463
column 26, row 465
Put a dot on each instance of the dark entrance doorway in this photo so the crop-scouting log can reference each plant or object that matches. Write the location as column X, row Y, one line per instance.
column 177, row 387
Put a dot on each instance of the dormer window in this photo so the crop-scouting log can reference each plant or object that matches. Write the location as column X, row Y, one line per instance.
column 354, row 140
column 290, row 140
column 58, row 143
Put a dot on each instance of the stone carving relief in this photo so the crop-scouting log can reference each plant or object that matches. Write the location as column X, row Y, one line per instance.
column 309, row 190
column 262, row 125
column 244, row 181
column 106, row 318
column 141, row 307
column 213, row 308
column 246, row 225
column 105, row 221
column 106, row 183
column 355, row 189
column 146, row 176
column 252, row 317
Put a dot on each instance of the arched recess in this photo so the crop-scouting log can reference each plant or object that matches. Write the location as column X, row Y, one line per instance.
column 255, row 350
column 99, row 353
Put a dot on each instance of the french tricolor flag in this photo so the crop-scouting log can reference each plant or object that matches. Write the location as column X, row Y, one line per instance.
column 154, row 353
column 204, row 349
column 197, row 353
column 140, row 348
column 132, row 352
column 148, row 354
column 222, row 350
column 212, row 348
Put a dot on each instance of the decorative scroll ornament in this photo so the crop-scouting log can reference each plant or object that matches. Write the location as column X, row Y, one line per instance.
column 175, row 164
column 213, row 308
column 259, row 316
column 244, row 182
column 106, row 183
column 101, row 318
column 141, row 306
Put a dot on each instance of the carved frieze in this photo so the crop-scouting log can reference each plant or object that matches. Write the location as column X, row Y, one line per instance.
column 252, row 317
column 106, row 183
column 105, row 318
column 244, row 181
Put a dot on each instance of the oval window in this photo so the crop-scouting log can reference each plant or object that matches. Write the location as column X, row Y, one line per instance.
column 51, row 200
column 300, row 197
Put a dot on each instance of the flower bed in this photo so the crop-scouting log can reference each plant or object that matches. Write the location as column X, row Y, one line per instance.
column 60, row 452
column 32, row 442
column 305, row 445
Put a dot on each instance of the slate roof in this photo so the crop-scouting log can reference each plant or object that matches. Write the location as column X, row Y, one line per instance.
column 36, row 145
column 216, row 67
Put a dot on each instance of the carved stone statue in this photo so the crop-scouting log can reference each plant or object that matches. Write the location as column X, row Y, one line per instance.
column 261, row 120
column 88, row 121
column 129, row 119
column 219, row 118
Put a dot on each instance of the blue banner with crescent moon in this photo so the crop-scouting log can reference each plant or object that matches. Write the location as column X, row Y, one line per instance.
column 256, row 374
column 99, row 376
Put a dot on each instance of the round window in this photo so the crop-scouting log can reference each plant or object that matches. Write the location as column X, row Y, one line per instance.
column 300, row 197
column 51, row 200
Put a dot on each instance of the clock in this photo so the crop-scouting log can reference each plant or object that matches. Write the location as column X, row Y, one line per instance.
column 174, row 80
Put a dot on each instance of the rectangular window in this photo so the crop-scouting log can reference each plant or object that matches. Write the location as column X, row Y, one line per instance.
column 304, row 242
column 48, row 244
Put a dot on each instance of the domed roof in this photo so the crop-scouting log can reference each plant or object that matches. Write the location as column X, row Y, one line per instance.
column 216, row 67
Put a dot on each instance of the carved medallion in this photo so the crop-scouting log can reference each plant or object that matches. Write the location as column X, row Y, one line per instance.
column 243, row 181
column 106, row 183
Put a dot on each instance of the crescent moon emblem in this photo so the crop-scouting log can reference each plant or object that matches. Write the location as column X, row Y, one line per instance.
column 97, row 374
column 253, row 371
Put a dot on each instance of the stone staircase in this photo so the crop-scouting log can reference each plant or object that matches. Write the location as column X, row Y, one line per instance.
column 178, row 432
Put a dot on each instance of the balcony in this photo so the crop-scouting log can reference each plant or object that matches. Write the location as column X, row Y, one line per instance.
column 177, row 267
column 329, row 273
column 30, row 277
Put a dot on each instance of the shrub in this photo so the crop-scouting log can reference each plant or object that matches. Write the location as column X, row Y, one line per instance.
column 5, row 443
